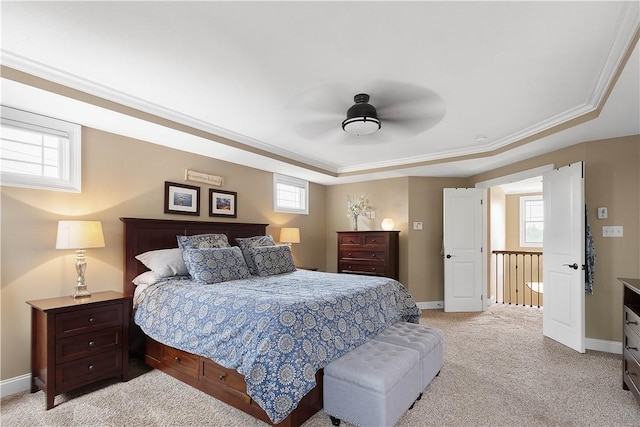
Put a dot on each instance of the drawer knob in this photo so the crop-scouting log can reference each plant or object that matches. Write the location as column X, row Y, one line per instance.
column 373, row 269
column 373, row 240
column 631, row 348
column 92, row 344
column 177, row 358
column 626, row 372
column 222, row 377
column 373, row 255
column 349, row 255
column 349, row 267
column 92, row 319
column 90, row 367
column 629, row 322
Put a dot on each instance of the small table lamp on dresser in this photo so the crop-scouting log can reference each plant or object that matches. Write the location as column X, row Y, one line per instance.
column 80, row 235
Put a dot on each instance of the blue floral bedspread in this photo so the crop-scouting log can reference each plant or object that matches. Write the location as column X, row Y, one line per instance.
column 278, row 330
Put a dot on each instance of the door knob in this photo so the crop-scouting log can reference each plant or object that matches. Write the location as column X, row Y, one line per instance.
column 574, row 266
column 449, row 256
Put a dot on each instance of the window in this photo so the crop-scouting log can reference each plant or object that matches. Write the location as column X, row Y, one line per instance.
column 531, row 221
column 39, row 152
column 290, row 194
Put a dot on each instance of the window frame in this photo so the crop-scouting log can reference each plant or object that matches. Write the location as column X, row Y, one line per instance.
column 295, row 182
column 70, row 174
column 523, row 221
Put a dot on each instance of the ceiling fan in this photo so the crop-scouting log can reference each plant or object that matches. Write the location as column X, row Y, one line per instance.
column 386, row 111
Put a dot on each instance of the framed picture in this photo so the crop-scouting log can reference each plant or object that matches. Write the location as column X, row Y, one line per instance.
column 181, row 199
column 223, row 203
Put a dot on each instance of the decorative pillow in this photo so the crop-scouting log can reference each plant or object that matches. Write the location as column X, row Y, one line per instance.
column 253, row 242
column 147, row 278
column 165, row 262
column 270, row 260
column 214, row 265
column 203, row 241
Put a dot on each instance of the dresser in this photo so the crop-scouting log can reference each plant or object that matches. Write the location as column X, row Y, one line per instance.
column 631, row 325
column 373, row 253
column 75, row 342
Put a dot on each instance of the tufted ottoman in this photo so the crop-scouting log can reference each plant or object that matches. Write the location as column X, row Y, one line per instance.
column 427, row 341
column 372, row 385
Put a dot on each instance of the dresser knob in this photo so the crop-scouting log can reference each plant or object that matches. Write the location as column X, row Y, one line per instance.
column 373, row 255
column 91, row 343
column 349, row 267
column 631, row 348
column 349, row 255
column 626, row 372
column 373, row 240
column 91, row 320
column 629, row 322
column 90, row 367
column 373, row 269
column 177, row 359
column 222, row 377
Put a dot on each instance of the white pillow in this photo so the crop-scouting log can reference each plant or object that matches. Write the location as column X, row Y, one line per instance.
column 146, row 278
column 165, row 262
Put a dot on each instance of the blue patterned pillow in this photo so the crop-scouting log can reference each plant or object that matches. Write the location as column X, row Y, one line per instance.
column 246, row 244
column 214, row 265
column 203, row 241
column 270, row 260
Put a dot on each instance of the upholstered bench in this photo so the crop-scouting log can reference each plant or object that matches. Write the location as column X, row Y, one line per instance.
column 427, row 341
column 373, row 384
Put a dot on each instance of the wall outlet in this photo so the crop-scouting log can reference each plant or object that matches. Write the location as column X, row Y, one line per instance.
column 612, row 231
column 417, row 225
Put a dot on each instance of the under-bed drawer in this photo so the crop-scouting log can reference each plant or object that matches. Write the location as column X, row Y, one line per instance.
column 219, row 375
column 186, row 363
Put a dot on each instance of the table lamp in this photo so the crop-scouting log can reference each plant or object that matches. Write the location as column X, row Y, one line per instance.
column 80, row 235
column 290, row 235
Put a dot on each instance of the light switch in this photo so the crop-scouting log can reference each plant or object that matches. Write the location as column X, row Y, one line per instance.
column 613, row 231
column 417, row 225
column 602, row 213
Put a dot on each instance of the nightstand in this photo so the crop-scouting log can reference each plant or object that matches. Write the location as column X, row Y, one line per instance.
column 75, row 342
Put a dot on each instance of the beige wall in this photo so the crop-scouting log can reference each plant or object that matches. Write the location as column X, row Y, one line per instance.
column 121, row 177
column 612, row 179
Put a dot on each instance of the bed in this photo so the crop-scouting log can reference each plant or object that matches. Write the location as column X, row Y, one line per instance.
column 269, row 336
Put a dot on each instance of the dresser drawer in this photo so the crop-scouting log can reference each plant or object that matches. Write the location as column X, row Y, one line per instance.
column 373, row 239
column 370, row 268
column 363, row 254
column 88, row 319
column 216, row 374
column 631, row 318
column 83, row 345
column 632, row 374
column 632, row 343
column 350, row 239
column 184, row 362
column 87, row 370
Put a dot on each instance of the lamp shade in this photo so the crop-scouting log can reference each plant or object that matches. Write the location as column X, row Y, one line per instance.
column 388, row 224
column 79, row 235
column 290, row 235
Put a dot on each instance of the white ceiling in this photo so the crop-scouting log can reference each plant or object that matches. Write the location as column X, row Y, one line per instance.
column 274, row 79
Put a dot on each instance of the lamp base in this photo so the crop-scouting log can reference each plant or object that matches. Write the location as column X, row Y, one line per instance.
column 81, row 292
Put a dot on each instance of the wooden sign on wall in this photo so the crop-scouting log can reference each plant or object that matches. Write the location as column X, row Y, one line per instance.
column 204, row 178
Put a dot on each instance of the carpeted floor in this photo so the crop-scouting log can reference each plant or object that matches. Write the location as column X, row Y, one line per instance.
column 499, row 371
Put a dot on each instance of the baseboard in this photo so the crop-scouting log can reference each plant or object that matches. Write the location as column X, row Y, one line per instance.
column 431, row 305
column 15, row 385
column 614, row 347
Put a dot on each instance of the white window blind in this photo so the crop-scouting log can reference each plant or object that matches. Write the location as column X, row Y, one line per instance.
column 39, row 152
column 290, row 194
column 531, row 221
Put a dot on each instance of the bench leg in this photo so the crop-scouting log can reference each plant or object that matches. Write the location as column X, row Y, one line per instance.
column 335, row 421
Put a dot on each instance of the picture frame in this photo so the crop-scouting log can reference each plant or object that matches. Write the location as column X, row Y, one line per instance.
column 223, row 203
column 181, row 199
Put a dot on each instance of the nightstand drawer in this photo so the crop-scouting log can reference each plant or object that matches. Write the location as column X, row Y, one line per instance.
column 632, row 343
column 81, row 321
column 78, row 346
column 87, row 370
column 632, row 319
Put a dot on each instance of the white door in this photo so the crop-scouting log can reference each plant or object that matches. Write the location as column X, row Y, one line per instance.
column 563, row 252
column 464, row 282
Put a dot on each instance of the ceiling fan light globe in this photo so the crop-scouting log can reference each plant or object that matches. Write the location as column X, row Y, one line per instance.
column 361, row 125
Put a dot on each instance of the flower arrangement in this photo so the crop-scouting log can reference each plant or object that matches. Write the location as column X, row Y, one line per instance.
column 356, row 206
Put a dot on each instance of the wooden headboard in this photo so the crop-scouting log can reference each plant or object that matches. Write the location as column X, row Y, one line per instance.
column 142, row 235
